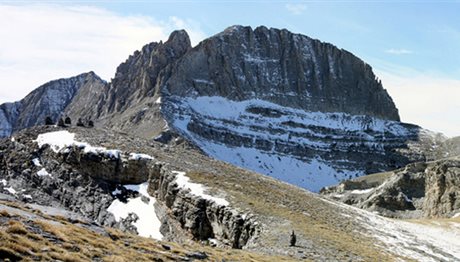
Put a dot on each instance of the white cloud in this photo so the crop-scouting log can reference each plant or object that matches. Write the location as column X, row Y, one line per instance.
column 425, row 99
column 399, row 51
column 45, row 42
column 296, row 9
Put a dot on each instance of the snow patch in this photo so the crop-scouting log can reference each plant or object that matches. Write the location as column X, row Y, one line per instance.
column 3, row 181
column 148, row 224
column 456, row 215
column 43, row 172
column 27, row 196
column 203, row 81
column 11, row 190
column 36, row 162
column 196, row 189
column 56, row 140
column 213, row 241
column 138, row 156
column 363, row 191
column 64, row 139
column 158, row 101
column 13, row 139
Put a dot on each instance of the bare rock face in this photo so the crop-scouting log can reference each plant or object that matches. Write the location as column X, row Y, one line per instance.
column 131, row 100
column 9, row 113
column 200, row 217
column 50, row 99
column 281, row 67
column 442, row 188
column 136, row 78
column 421, row 189
column 115, row 168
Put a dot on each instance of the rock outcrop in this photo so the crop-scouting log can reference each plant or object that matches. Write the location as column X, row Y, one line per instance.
column 87, row 180
column 430, row 190
column 203, row 218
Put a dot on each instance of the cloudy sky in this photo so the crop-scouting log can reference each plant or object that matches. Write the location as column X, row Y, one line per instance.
column 412, row 45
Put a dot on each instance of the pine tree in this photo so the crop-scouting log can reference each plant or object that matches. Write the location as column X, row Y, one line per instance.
column 61, row 123
column 68, row 121
column 80, row 122
column 48, row 121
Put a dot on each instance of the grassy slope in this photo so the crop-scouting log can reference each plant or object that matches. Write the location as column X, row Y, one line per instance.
column 56, row 238
column 325, row 230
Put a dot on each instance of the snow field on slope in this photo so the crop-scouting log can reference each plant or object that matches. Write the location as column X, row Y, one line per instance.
column 196, row 189
column 420, row 242
column 138, row 156
column 312, row 174
column 220, row 107
column 148, row 224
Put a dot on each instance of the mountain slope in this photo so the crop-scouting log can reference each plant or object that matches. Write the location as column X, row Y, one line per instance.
column 287, row 106
column 50, row 99
column 325, row 230
column 278, row 103
column 129, row 102
column 44, row 233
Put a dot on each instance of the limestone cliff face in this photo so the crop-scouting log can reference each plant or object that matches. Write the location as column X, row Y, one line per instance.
column 419, row 190
column 278, row 66
column 202, row 218
column 50, row 99
column 129, row 102
column 442, row 189
column 136, row 78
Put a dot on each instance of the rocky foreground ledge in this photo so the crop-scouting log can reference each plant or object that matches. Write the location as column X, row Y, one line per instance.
column 105, row 186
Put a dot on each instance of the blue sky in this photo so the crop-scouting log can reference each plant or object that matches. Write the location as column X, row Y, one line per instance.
column 416, row 34
column 412, row 45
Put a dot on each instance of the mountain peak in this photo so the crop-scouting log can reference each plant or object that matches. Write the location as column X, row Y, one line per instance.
column 179, row 36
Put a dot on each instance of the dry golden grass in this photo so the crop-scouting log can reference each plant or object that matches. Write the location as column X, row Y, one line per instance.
column 68, row 242
column 284, row 202
column 16, row 227
column 4, row 213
